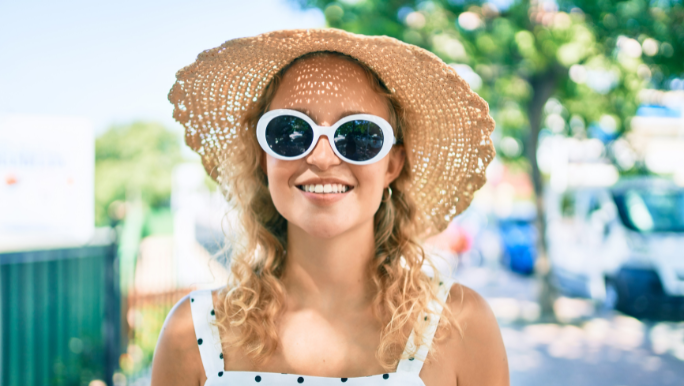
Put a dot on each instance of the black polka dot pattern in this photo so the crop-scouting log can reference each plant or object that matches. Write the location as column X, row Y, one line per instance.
column 301, row 379
column 218, row 371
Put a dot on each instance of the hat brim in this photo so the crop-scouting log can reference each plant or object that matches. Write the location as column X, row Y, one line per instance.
column 447, row 140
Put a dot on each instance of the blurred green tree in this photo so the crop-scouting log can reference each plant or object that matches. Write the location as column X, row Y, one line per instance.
column 133, row 162
column 658, row 25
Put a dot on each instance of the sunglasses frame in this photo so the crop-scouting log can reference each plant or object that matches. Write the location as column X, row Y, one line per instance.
column 329, row 131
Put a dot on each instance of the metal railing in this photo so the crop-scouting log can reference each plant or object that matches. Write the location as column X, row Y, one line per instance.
column 60, row 316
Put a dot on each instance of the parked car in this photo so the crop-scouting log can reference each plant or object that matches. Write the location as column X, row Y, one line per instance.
column 622, row 246
column 519, row 243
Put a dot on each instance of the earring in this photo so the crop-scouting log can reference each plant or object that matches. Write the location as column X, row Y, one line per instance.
column 389, row 196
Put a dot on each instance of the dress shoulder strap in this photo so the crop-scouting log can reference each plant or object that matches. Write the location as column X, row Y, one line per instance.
column 413, row 363
column 206, row 332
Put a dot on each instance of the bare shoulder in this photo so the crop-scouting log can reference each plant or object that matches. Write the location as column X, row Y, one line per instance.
column 469, row 306
column 177, row 359
column 473, row 352
column 478, row 349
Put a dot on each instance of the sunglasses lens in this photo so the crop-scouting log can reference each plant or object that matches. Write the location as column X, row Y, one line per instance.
column 289, row 136
column 359, row 140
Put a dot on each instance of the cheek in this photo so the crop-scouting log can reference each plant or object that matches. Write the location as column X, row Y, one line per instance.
column 279, row 174
column 371, row 181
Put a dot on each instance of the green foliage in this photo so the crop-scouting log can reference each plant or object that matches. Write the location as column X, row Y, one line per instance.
column 150, row 319
column 662, row 21
column 134, row 161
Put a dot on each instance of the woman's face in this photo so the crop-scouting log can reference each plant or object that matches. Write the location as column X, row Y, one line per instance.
column 327, row 89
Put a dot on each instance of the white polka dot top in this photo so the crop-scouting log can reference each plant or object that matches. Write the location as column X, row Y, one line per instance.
column 208, row 341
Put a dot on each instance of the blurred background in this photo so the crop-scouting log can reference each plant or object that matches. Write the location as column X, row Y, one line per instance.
column 577, row 239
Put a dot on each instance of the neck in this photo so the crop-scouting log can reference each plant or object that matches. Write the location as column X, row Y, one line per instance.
column 329, row 273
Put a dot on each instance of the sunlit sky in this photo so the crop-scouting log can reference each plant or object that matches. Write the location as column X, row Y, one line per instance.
column 114, row 62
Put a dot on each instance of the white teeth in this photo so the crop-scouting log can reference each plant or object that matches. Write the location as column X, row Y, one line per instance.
column 327, row 188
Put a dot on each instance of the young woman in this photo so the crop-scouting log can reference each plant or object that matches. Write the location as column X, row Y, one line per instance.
column 340, row 153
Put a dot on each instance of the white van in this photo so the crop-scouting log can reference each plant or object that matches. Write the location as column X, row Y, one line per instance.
column 622, row 246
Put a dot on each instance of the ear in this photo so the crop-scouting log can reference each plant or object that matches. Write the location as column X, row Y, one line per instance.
column 397, row 157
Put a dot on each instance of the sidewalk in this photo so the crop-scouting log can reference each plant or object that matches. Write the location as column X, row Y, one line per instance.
column 600, row 348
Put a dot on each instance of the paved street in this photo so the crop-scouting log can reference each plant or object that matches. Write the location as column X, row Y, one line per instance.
column 590, row 348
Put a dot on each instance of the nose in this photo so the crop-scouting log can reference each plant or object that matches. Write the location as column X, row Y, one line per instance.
column 323, row 156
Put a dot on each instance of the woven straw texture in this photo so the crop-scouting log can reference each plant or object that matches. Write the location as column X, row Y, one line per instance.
column 448, row 135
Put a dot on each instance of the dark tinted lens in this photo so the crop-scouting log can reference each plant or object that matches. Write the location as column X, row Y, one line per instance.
column 289, row 136
column 359, row 140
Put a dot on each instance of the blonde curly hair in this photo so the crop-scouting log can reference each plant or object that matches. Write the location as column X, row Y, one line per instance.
column 254, row 298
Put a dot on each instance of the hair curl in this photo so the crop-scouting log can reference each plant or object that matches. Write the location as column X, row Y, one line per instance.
column 254, row 298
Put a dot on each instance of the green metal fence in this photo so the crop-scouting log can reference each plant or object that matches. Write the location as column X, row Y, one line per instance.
column 59, row 316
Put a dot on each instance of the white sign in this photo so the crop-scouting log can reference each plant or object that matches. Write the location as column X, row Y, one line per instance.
column 47, row 167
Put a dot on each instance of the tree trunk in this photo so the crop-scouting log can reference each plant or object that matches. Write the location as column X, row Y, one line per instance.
column 543, row 87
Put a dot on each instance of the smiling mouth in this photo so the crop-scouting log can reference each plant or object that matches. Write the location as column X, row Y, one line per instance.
column 325, row 188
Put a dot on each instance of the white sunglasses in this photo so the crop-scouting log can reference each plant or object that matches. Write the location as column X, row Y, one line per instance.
column 359, row 139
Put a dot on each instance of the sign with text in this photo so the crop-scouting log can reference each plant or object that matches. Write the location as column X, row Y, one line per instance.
column 46, row 182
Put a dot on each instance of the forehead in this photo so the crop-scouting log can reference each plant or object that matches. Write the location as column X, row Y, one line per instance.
column 327, row 87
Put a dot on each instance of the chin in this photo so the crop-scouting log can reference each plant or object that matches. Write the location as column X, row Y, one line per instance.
column 323, row 231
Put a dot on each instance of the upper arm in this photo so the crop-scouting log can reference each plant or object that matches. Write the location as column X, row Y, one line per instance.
column 479, row 356
column 177, row 359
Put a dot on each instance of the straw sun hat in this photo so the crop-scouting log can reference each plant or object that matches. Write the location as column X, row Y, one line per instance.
column 447, row 138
